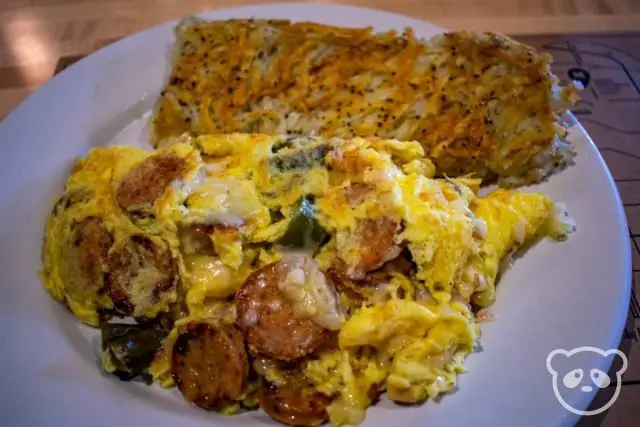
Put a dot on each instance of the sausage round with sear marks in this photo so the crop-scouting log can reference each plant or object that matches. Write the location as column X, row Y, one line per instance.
column 87, row 257
column 210, row 365
column 289, row 404
column 268, row 317
column 147, row 180
column 142, row 277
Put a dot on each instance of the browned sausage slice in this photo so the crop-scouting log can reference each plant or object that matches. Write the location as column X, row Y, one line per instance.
column 141, row 274
column 87, row 258
column 148, row 180
column 210, row 365
column 376, row 243
column 268, row 319
column 289, row 404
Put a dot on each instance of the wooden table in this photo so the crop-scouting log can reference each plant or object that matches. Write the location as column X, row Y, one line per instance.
column 34, row 34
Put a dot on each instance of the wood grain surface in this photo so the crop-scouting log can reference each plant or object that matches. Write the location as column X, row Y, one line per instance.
column 34, row 34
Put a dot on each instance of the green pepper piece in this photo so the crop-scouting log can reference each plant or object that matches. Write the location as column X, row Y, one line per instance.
column 299, row 160
column 129, row 349
column 304, row 231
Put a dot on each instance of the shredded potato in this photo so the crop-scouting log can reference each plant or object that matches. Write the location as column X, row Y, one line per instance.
column 480, row 103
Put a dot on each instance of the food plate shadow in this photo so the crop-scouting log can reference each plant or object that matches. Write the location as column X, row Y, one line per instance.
column 128, row 127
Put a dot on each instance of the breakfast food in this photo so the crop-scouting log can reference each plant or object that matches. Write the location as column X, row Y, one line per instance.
column 270, row 313
column 302, row 275
column 210, row 365
column 478, row 103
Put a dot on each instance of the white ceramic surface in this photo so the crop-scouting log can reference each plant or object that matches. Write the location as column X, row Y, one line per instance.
column 49, row 369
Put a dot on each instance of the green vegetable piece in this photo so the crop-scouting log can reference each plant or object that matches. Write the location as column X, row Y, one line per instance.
column 299, row 160
column 304, row 231
column 128, row 350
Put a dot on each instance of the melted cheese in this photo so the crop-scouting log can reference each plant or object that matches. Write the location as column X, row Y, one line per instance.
column 309, row 293
column 349, row 378
column 403, row 330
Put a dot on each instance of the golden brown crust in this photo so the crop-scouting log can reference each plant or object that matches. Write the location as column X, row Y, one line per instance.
column 140, row 254
column 148, row 180
column 357, row 192
column 351, row 162
column 376, row 243
column 462, row 95
column 210, row 365
column 268, row 320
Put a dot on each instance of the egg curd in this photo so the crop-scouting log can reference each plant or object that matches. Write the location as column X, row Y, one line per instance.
column 304, row 275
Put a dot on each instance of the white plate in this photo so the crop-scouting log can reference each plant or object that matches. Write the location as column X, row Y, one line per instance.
column 560, row 295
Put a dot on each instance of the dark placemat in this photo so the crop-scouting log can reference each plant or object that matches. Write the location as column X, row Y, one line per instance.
column 608, row 66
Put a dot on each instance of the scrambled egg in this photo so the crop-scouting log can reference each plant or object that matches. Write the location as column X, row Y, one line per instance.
column 88, row 194
column 409, row 256
column 89, row 232
column 513, row 221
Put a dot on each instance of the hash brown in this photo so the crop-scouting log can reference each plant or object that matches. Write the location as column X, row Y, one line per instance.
column 479, row 103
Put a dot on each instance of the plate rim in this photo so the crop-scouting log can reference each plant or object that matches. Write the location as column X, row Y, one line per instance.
column 615, row 334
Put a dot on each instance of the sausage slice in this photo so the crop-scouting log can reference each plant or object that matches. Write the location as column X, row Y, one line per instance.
column 142, row 277
column 268, row 320
column 210, row 365
column 87, row 257
column 376, row 243
column 148, row 180
column 289, row 404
